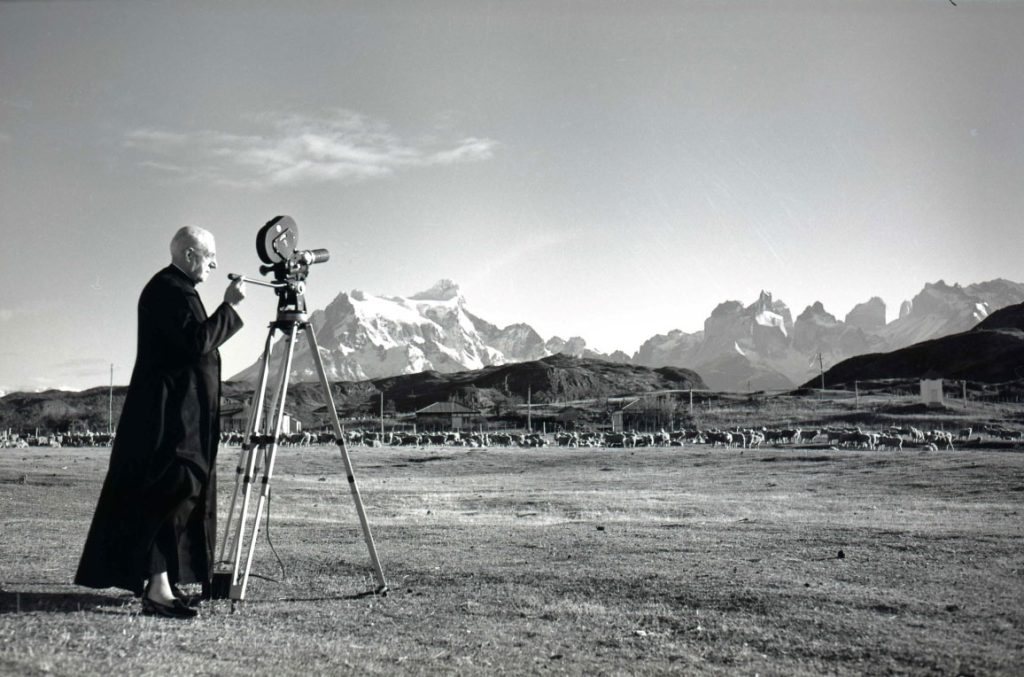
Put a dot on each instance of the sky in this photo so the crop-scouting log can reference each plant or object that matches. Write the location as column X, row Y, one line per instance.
column 604, row 169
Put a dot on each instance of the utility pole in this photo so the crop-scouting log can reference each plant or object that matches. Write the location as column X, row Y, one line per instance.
column 529, row 409
column 382, row 417
column 821, row 368
column 110, row 403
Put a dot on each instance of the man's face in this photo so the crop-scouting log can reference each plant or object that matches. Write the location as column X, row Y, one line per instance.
column 201, row 258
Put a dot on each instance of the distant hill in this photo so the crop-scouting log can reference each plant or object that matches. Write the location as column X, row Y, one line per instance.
column 991, row 352
column 59, row 410
column 557, row 378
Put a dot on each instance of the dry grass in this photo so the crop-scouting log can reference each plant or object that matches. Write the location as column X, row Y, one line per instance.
column 568, row 561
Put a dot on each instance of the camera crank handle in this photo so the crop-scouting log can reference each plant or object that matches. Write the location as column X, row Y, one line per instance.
column 236, row 276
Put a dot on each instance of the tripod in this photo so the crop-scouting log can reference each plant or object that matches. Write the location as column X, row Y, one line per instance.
column 262, row 448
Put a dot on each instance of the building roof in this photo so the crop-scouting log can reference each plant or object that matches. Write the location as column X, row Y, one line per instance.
column 446, row 408
column 631, row 405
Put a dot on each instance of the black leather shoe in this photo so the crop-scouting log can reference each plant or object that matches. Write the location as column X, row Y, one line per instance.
column 185, row 598
column 175, row 609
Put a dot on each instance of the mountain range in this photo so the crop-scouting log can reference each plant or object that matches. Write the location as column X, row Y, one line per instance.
column 742, row 347
column 992, row 351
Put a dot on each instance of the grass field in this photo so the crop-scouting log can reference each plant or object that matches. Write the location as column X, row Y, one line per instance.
column 590, row 561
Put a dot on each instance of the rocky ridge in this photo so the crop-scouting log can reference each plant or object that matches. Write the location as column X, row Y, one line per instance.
column 741, row 347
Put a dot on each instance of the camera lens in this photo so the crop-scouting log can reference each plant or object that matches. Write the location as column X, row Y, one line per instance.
column 311, row 256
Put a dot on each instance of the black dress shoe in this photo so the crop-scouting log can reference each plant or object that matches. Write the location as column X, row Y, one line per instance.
column 185, row 598
column 173, row 610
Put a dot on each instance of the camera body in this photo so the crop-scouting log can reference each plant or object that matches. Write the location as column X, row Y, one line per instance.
column 276, row 244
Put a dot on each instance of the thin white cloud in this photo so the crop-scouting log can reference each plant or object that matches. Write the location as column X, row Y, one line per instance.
column 342, row 147
column 519, row 253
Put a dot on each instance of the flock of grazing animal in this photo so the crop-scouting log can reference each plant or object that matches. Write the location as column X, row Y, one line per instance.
column 88, row 438
column 893, row 438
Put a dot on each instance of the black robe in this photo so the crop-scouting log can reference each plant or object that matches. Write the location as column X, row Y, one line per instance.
column 165, row 451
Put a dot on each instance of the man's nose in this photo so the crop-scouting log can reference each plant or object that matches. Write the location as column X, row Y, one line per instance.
column 213, row 263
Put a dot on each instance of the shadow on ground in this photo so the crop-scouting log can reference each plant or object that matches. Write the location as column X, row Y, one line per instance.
column 12, row 601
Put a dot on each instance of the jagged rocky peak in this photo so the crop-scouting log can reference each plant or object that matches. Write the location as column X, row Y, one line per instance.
column 574, row 347
column 765, row 301
column 672, row 349
column 869, row 316
column 816, row 313
column 727, row 308
column 940, row 298
column 520, row 329
column 342, row 303
column 770, row 314
column 555, row 344
column 997, row 293
column 443, row 290
column 779, row 311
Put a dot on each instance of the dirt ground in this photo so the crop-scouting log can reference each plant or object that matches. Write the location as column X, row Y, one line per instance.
column 589, row 561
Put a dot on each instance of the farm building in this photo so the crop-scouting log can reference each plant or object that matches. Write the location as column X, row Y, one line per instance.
column 234, row 416
column 645, row 414
column 446, row 416
column 573, row 418
column 931, row 391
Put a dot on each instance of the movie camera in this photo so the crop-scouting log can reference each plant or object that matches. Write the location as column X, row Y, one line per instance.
column 276, row 244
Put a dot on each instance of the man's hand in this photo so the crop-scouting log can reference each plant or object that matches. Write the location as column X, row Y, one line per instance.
column 235, row 292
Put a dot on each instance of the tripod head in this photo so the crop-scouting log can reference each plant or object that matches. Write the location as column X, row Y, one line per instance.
column 291, row 299
column 275, row 245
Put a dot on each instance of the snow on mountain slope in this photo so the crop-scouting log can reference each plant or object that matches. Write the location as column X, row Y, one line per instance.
column 362, row 336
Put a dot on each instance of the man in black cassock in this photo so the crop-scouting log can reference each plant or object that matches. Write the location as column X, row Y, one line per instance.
column 155, row 521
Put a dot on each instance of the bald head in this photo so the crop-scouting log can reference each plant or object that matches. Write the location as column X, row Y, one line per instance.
column 194, row 252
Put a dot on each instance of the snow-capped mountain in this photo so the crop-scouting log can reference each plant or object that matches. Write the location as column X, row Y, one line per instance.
column 365, row 337
column 869, row 316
